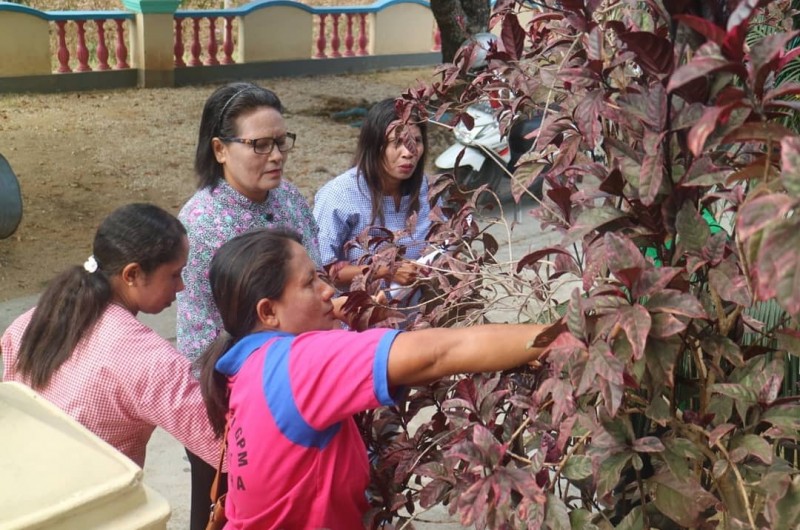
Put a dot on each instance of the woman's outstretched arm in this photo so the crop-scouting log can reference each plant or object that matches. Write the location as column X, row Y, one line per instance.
column 417, row 357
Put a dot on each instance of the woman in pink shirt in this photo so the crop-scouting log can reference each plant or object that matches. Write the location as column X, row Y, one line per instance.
column 83, row 349
column 288, row 380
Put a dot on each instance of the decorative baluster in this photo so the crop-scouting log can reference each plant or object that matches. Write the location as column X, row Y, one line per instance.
column 335, row 36
column 348, row 37
column 362, row 38
column 321, row 39
column 227, row 46
column 122, row 50
column 195, row 48
column 437, row 39
column 81, row 52
column 63, row 52
column 211, row 60
column 178, row 47
column 102, row 50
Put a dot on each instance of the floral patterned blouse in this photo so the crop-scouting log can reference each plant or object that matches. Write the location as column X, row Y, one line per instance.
column 213, row 216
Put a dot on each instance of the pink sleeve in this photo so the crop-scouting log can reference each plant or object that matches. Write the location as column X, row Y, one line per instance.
column 9, row 345
column 169, row 397
column 335, row 374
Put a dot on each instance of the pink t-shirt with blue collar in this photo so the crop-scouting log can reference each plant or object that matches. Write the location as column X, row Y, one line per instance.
column 295, row 457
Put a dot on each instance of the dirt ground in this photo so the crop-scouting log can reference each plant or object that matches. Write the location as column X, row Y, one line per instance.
column 80, row 155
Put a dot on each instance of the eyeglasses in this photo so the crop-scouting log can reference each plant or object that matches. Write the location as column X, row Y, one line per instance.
column 264, row 146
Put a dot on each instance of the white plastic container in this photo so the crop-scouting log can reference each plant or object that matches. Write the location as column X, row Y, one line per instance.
column 56, row 474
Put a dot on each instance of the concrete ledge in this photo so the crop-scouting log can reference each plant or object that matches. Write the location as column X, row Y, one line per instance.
column 185, row 76
column 70, row 82
column 199, row 75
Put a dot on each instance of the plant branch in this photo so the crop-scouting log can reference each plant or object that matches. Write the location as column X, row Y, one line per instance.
column 565, row 459
column 739, row 484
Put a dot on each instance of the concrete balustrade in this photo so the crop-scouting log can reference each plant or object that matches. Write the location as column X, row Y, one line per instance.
column 156, row 46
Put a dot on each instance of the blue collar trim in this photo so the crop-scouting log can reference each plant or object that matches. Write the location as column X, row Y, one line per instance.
column 232, row 360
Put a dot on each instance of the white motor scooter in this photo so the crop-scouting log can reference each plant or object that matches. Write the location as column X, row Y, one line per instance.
column 482, row 155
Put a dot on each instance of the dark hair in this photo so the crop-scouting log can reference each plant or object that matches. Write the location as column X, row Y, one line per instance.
column 75, row 299
column 220, row 112
column 249, row 267
column 372, row 143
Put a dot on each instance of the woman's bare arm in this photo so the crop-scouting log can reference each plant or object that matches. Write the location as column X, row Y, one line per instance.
column 422, row 356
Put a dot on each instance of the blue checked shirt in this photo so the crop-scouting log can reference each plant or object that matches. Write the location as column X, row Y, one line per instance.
column 343, row 209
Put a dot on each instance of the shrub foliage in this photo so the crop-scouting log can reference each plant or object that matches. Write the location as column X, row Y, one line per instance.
column 667, row 396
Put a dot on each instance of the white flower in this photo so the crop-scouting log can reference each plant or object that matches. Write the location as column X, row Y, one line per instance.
column 90, row 265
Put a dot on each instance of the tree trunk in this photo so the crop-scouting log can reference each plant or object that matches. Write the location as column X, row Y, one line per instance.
column 458, row 20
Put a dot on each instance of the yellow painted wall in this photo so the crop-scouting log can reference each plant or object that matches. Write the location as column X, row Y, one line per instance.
column 24, row 45
column 402, row 28
column 275, row 34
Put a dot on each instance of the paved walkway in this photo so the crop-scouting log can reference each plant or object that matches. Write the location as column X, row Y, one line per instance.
column 166, row 468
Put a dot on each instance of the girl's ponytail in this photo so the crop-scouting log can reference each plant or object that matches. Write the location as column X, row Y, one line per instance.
column 74, row 301
column 71, row 304
column 213, row 384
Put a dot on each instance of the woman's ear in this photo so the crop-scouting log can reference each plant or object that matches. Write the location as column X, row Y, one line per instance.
column 267, row 315
column 218, row 146
column 130, row 273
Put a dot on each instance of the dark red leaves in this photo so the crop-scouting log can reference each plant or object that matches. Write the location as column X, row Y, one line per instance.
column 697, row 68
column 513, row 36
column 704, row 27
column 653, row 53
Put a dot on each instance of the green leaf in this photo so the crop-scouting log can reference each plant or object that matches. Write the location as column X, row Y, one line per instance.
column 677, row 464
column 610, row 370
column 664, row 325
column 677, row 303
column 736, row 392
column 786, row 416
column 652, row 172
column 578, row 467
column 703, row 172
column 658, row 410
column 609, row 472
column 757, row 214
column 684, row 448
column 557, row 515
column 719, row 468
column 590, row 220
column 576, row 320
column 789, row 340
column 633, row 521
column 719, row 347
column 721, row 407
column 681, row 500
column 661, row 356
column 730, row 288
column 581, row 519
column 785, row 512
column 635, row 322
column 755, row 446
column 693, row 231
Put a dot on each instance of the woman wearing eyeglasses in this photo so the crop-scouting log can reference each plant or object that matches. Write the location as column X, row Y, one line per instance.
column 242, row 148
